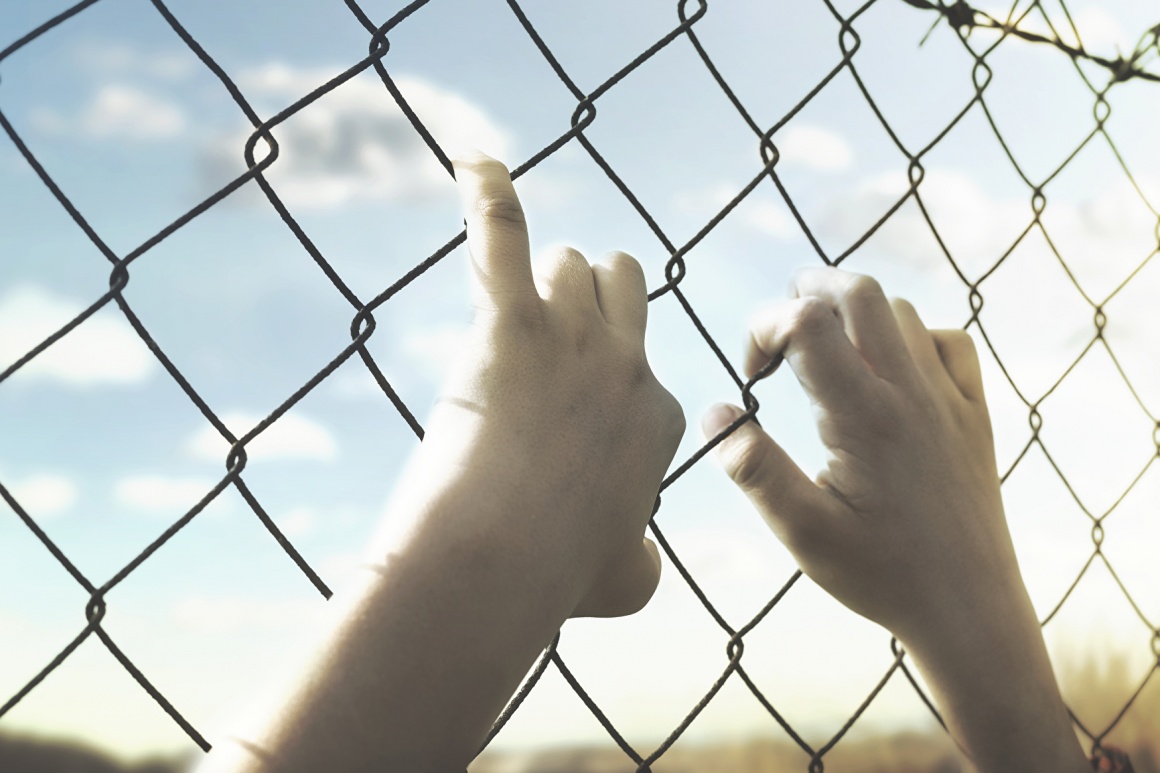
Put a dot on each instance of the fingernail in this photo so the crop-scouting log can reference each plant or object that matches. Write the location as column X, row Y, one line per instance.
column 718, row 418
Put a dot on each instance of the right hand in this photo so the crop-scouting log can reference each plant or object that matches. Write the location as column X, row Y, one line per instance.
column 905, row 525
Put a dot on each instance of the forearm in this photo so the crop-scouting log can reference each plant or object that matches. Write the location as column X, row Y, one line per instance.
column 430, row 645
column 997, row 693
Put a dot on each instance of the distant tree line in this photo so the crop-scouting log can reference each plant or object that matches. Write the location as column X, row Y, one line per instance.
column 26, row 754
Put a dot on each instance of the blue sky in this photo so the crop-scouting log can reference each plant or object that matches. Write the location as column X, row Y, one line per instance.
column 104, row 450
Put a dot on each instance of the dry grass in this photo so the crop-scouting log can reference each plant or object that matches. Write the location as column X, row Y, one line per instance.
column 908, row 753
column 27, row 754
column 1099, row 690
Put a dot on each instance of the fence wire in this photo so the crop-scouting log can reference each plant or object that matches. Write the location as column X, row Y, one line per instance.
column 964, row 19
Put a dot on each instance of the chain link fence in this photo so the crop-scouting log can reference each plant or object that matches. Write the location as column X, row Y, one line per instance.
column 1099, row 75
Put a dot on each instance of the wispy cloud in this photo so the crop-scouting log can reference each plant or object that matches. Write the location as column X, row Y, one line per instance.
column 231, row 614
column 104, row 349
column 291, row 437
column 297, row 522
column 117, row 111
column 761, row 211
column 43, row 494
column 1099, row 30
column 813, row 147
column 437, row 352
column 108, row 58
column 161, row 493
column 121, row 110
column 978, row 227
column 355, row 143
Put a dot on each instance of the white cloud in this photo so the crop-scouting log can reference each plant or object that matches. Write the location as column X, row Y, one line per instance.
column 354, row 385
column 957, row 205
column 291, row 437
column 978, row 228
column 767, row 216
column 813, row 147
column 726, row 558
column 297, row 522
column 1036, row 318
column 343, row 568
column 103, row 349
column 43, row 494
column 121, row 110
column 759, row 211
column 160, row 492
column 120, row 59
column 432, row 355
column 1100, row 30
column 354, row 143
column 1098, row 27
column 48, row 120
column 231, row 614
column 437, row 352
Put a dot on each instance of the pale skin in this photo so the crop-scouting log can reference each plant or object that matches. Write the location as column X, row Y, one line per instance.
column 528, row 499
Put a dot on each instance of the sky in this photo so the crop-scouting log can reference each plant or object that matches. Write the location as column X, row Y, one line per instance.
column 104, row 451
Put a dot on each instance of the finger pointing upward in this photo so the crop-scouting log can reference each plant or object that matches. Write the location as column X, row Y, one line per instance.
column 497, row 234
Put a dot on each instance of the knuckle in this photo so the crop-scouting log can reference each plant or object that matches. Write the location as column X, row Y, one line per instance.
column 567, row 273
column 581, row 341
column 622, row 261
column 640, row 597
column 810, row 314
column 746, row 461
column 960, row 345
column 520, row 319
column 863, row 289
column 962, row 339
column 639, row 373
column 665, row 411
column 565, row 258
column 501, row 207
column 674, row 414
column 901, row 305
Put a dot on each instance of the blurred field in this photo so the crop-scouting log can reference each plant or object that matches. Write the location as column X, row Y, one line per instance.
column 908, row 753
column 21, row 754
column 1098, row 691
column 894, row 754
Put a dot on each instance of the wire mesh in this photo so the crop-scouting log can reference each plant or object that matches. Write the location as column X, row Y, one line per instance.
column 963, row 18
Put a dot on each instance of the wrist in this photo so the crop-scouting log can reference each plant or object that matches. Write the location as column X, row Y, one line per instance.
column 995, row 687
column 491, row 536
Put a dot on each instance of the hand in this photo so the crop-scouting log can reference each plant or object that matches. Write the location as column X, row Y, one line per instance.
column 905, row 525
column 555, row 427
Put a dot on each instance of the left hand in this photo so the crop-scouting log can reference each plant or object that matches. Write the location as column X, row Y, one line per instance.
column 554, row 431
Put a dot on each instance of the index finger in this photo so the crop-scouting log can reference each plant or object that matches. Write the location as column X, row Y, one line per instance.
column 497, row 233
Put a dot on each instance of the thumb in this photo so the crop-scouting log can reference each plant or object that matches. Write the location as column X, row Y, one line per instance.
column 787, row 499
